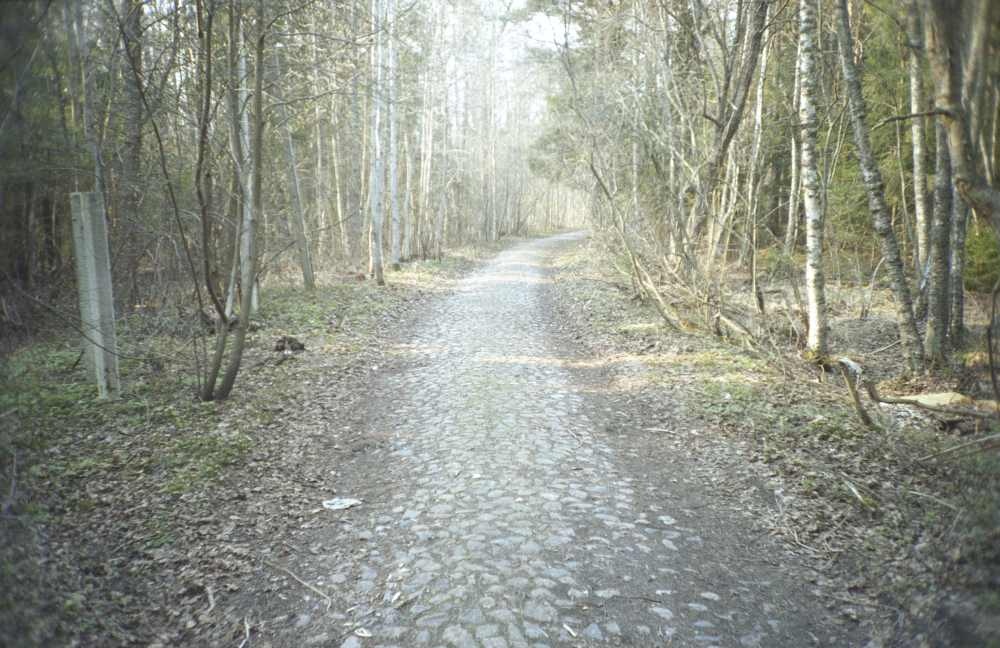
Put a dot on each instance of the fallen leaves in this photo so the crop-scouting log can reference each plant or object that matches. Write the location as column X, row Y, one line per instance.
column 175, row 503
column 859, row 502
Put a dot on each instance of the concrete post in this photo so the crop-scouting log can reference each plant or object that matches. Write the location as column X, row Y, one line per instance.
column 97, row 306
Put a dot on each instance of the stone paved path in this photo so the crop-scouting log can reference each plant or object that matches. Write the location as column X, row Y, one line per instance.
column 511, row 523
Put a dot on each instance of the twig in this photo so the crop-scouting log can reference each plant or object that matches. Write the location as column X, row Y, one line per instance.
column 933, row 499
column 926, row 113
column 954, row 523
column 211, row 599
column 648, row 599
column 958, row 447
column 866, row 308
column 734, row 326
column 886, row 347
column 9, row 502
column 972, row 451
column 854, row 491
column 246, row 633
column 852, row 373
column 844, row 599
column 329, row 601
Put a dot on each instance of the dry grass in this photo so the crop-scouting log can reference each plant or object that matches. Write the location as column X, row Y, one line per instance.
column 916, row 540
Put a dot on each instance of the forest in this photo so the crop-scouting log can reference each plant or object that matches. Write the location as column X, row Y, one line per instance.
column 258, row 254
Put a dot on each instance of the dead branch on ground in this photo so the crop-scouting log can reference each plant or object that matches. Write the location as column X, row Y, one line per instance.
column 309, row 586
column 953, row 411
column 853, row 375
column 962, row 446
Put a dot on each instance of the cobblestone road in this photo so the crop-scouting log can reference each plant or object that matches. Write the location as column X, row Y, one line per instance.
column 511, row 524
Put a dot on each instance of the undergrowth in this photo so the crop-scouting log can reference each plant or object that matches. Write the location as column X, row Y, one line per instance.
column 915, row 530
column 98, row 483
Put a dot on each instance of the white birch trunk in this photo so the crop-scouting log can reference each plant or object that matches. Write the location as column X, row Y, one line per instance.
column 811, row 186
column 753, row 198
column 427, row 153
column 915, row 62
column 395, row 234
column 375, row 198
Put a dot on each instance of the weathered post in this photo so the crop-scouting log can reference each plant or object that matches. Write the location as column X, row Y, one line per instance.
column 97, row 306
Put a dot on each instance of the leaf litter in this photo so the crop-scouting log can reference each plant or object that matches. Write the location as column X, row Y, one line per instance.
column 159, row 520
column 889, row 526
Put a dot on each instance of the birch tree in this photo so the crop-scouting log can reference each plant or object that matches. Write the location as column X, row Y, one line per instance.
column 395, row 235
column 915, row 37
column 377, row 164
column 811, row 186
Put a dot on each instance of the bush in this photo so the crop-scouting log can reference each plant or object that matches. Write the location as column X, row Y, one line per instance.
column 982, row 258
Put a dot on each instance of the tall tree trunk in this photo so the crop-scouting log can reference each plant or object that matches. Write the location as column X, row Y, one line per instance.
column 795, row 178
column 74, row 76
column 407, row 207
column 946, row 30
column 90, row 120
column 423, row 216
column 876, row 192
column 916, row 52
column 298, row 219
column 938, row 275
column 753, row 181
column 132, row 152
column 326, row 236
column 635, row 207
column 247, row 199
column 345, row 243
column 202, row 170
column 958, row 40
column 30, row 252
column 732, row 114
column 248, row 251
column 377, row 160
column 236, row 66
column 395, row 232
column 956, row 287
column 811, row 186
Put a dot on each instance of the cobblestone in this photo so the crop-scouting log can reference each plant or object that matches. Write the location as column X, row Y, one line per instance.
column 510, row 523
